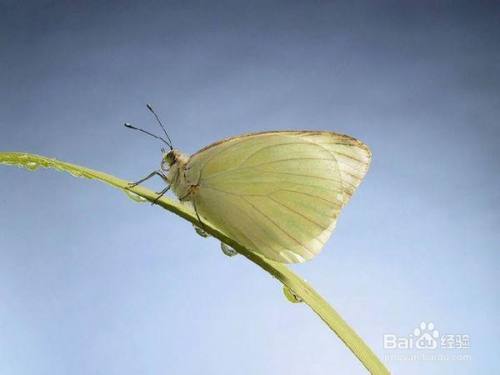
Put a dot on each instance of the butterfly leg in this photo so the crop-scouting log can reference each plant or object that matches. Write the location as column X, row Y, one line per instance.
column 198, row 216
column 160, row 194
column 154, row 173
column 194, row 203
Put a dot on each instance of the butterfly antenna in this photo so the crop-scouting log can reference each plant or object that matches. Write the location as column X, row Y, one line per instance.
column 159, row 122
column 127, row 125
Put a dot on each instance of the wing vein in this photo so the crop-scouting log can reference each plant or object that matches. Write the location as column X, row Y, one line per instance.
column 278, row 226
column 309, row 195
column 298, row 213
column 271, row 146
column 270, row 172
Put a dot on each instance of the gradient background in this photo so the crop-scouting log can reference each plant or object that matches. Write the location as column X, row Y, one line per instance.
column 92, row 283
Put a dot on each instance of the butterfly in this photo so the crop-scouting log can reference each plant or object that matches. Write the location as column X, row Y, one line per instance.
column 278, row 193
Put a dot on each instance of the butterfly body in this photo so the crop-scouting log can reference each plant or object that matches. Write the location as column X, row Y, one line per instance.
column 277, row 193
column 174, row 166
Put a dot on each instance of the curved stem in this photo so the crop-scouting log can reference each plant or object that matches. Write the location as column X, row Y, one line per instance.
column 300, row 288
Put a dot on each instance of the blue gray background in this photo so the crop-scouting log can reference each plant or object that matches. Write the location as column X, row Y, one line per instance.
column 92, row 283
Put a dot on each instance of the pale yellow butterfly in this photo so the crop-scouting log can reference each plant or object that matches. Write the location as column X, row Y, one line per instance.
column 278, row 193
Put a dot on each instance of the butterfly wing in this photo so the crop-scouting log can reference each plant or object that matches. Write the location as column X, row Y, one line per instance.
column 278, row 193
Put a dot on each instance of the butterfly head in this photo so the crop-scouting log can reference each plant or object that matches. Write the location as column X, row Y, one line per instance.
column 171, row 158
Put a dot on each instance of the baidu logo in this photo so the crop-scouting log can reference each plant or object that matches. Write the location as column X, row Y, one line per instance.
column 426, row 343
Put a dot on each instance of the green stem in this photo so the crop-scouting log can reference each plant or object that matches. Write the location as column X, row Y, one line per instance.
column 290, row 280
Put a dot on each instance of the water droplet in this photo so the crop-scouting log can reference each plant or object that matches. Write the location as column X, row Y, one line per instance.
column 76, row 173
column 135, row 197
column 200, row 231
column 31, row 165
column 228, row 250
column 291, row 296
